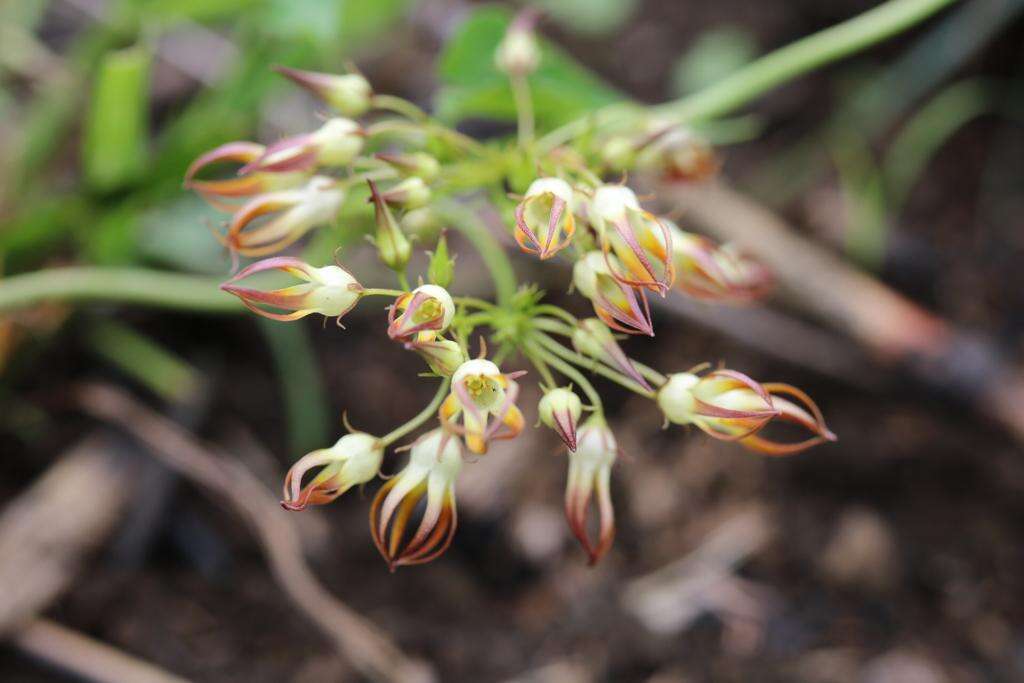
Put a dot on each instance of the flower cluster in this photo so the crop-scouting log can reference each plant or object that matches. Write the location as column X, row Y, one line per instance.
column 619, row 253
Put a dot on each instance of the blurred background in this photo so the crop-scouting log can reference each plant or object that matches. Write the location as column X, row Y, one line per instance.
column 885, row 189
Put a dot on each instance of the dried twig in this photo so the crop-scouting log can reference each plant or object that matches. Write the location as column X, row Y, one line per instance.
column 369, row 650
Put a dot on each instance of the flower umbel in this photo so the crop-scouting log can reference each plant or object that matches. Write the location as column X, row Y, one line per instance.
column 485, row 397
column 544, row 221
column 590, row 468
column 434, row 465
column 330, row 291
column 354, row 460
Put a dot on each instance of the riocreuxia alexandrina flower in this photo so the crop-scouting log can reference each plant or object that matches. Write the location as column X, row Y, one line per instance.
column 350, row 94
column 641, row 240
column 729, row 405
column 334, row 144
column 240, row 186
column 444, row 356
column 485, row 399
column 330, row 291
column 270, row 222
column 677, row 154
column 620, row 306
column 544, row 220
column 706, row 270
column 590, row 468
column 354, row 460
column 421, row 314
column 593, row 339
column 560, row 409
column 434, row 464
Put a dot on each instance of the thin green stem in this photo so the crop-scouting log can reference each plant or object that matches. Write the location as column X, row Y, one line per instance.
column 472, row 302
column 414, row 113
column 421, row 417
column 557, row 327
column 558, row 312
column 381, row 291
column 542, row 368
column 535, row 350
column 581, row 360
column 469, row 224
column 524, row 109
column 403, row 281
column 117, row 285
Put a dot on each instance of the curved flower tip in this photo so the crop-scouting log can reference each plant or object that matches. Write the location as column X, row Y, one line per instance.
column 241, row 186
column 355, row 459
column 544, row 219
column 422, row 314
column 485, row 399
column 336, row 143
column 589, row 476
column 434, row 465
column 350, row 94
column 706, row 270
column 592, row 338
column 618, row 305
column 270, row 222
column 642, row 242
column 560, row 409
column 729, row 405
column 330, row 291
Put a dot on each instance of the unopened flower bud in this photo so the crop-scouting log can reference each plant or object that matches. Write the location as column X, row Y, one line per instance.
column 519, row 54
column 354, row 460
column 444, row 356
column 560, row 409
column 350, row 94
column 642, row 242
column 393, row 246
column 618, row 305
column 330, row 291
column 338, row 142
column 418, row 164
column 544, row 220
column 411, row 193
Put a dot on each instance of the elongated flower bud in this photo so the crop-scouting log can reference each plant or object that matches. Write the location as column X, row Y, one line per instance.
column 393, row 246
column 422, row 313
column 336, row 143
column 589, row 475
column 705, row 270
column 620, row 306
column 518, row 54
column 485, row 399
column 434, row 465
column 593, row 339
column 677, row 154
column 444, row 356
column 330, row 291
column 414, row 164
column 544, row 221
column 240, row 186
column 354, row 460
column 642, row 241
column 560, row 409
column 270, row 222
column 729, row 405
column 411, row 193
column 350, row 94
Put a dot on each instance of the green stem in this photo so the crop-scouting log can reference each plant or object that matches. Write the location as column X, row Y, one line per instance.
column 581, row 360
column 524, row 109
column 497, row 262
column 571, row 373
column 557, row 327
column 421, row 417
column 117, row 285
column 380, row 291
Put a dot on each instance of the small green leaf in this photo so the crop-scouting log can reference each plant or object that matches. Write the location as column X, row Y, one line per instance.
column 442, row 267
column 562, row 90
column 116, row 133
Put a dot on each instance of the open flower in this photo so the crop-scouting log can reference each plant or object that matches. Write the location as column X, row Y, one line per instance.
column 620, row 306
column 560, row 409
column 270, row 222
column 590, row 468
column 354, row 460
column 434, row 465
column 330, row 291
column 592, row 338
column 350, row 94
column 336, row 143
column 240, row 186
column 642, row 241
column 705, row 270
column 422, row 313
column 544, row 221
column 485, row 398
column 729, row 405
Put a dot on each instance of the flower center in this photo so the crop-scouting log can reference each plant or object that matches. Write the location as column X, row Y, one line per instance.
column 428, row 310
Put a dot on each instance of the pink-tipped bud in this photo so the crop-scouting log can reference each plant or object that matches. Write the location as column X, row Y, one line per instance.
column 354, row 460
column 519, row 54
column 350, row 94
column 239, row 187
column 560, row 409
column 722, row 273
column 336, row 143
column 642, row 242
column 330, row 291
column 589, row 476
column 433, row 468
column 544, row 219
column 618, row 305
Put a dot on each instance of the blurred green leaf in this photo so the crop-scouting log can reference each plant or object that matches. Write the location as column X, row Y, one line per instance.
column 170, row 13
column 315, row 19
column 362, row 21
column 114, row 146
column 712, row 57
column 593, row 17
column 472, row 86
